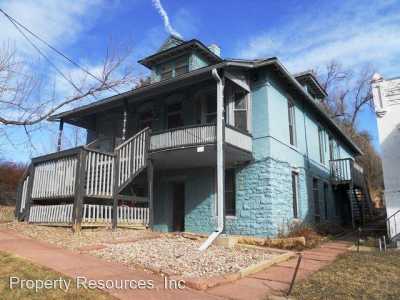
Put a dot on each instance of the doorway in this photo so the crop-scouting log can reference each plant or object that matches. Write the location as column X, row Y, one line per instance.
column 178, row 206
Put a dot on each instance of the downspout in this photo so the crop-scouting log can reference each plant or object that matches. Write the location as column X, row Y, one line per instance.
column 220, row 162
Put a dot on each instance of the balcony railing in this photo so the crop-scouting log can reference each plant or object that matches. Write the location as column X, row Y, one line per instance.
column 346, row 170
column 196, row 135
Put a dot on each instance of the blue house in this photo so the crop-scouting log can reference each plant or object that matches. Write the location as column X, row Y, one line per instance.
column 209, row 145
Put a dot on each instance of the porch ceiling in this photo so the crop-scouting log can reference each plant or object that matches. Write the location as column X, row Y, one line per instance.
column 189, row 157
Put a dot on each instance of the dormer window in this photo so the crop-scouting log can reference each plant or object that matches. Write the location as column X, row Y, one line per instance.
column 174, row 68
column 181, row 66
column 166, row 71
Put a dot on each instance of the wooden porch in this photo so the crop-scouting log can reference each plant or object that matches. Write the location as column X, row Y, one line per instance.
column 84, row 186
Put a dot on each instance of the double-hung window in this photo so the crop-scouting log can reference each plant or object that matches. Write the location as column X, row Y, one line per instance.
column 240, row 110
column 146, row 119
column 174, row 115
column 210, row 109
column 292, row 123
column 181, row 66
column 321, row 141
column 166, row 71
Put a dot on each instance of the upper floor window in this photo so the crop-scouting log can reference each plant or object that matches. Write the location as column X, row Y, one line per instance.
column 292, row 123
column 146, row 119
column 166, row 71
column 211, row 109
column 181, row 66
column 230, row 201
column 174, row 115
column 331, row 148
column 321, row 141
column 240, row 110
column 175, row 68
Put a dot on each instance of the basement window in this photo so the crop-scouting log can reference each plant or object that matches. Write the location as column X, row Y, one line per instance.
column 317, row 211
column 230, row 199
column 295, row 194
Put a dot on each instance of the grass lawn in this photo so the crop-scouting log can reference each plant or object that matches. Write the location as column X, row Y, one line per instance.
column 13, row 266
column 355, row 276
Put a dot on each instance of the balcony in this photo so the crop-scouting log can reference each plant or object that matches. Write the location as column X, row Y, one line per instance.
column 194, row 146
column 346, row 170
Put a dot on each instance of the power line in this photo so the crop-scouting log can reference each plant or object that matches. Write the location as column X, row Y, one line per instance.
column 16, row 23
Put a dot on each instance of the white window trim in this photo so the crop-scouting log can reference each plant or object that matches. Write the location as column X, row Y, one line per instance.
column 297, row 184
column 292, row 113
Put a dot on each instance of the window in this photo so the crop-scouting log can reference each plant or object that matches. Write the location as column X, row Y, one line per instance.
column 321, row 140
column 181, row 66
column 240, row 110
column 211, row 109
column 331, row 148
column 315, row 190
column 326, row 187
column 230, row 201
column 295, row 193
column 292, row 123
column 174, row 115
column 166, row 71
column 146, row 119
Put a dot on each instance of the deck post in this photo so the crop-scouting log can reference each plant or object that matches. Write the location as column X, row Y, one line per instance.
column 79, row 192
column 125, row 121
column 29, row 192
column 60, row 132
column 115, row 193
column 150, row 180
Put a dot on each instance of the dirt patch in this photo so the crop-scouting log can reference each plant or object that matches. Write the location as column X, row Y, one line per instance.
column 176, row 255
column 6, row 213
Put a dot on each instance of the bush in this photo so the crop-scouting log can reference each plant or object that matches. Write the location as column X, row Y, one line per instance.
column 6, row 213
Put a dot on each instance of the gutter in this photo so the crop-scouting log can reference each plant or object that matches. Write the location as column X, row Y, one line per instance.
column 220, row 163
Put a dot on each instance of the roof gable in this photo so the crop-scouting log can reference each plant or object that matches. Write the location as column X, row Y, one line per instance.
column 170, row 42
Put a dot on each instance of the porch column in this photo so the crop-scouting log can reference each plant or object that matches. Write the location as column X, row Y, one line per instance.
column 29, row 192
column 60, row 132
column 125, row 121
column 115, row 193
column 79, row 192
column 150, row 180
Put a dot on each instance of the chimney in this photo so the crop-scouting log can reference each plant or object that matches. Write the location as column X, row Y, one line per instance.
column 215, row 49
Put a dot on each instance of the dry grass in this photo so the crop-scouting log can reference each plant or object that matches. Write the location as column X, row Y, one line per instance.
column 355, row 276
column 14, row 266
column 6, row 213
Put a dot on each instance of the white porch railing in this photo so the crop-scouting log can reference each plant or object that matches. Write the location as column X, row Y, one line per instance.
column 24, row 194
column 61, row 213
column 99, row 173
column 55, row 178
column 184, row 136
column 94, row 213
column 132, row 156
column 102, row 214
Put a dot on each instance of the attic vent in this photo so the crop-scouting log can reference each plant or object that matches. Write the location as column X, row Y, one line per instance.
column 215, row 49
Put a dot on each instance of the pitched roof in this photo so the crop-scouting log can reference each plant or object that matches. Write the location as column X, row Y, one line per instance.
column 309, row 78
column 170, row 52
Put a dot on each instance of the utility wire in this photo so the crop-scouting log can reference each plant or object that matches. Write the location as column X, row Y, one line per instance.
column 16, row 23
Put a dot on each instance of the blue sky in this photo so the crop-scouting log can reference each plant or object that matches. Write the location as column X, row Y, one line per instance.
column 303, row 34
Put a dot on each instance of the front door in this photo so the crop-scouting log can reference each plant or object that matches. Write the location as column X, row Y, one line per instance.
column 178, row 195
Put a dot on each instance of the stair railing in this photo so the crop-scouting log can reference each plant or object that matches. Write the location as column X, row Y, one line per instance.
column 393, row 224
column 132, row 157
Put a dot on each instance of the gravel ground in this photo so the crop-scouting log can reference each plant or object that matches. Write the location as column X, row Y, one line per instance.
column 63, row 237
column 180, row 256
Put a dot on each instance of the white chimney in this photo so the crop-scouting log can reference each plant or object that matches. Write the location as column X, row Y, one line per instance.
column 215, row 49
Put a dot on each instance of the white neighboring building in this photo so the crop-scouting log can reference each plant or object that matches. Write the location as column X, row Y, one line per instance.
column 386, row 95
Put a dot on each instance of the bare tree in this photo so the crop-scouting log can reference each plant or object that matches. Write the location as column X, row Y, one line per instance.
column 18, row 87
column 348, row 91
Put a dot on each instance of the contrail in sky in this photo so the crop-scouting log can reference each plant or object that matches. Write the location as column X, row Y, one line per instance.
column 164, row 15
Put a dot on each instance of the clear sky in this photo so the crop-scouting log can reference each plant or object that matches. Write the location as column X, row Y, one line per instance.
column 302, row 34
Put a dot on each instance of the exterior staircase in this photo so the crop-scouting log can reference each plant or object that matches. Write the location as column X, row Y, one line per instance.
column 54, row 187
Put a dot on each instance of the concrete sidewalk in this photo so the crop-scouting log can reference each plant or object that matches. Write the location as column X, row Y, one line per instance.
column 276, row 279
column 273, row 281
